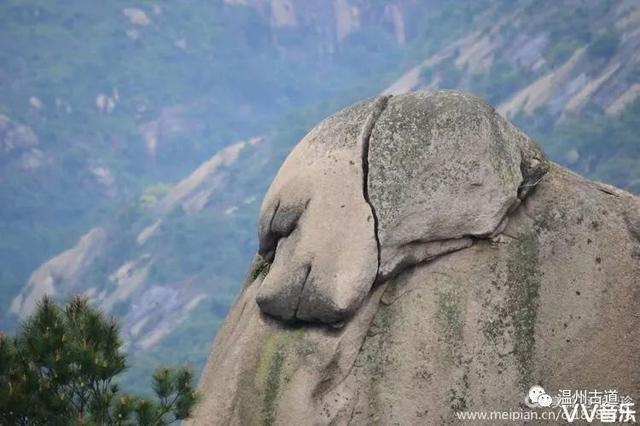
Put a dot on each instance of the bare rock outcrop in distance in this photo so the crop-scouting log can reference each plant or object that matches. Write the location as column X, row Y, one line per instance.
column 419, row 257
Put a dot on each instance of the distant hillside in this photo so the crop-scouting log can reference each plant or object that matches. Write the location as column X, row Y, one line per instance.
column 102, row 100
column 137, row 139
column 568, row 72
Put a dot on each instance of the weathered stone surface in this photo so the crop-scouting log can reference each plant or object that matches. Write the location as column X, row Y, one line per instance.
column 424, row 173
column 317, row 226
column 552, row 304
column 443, row 167
column 551, row 301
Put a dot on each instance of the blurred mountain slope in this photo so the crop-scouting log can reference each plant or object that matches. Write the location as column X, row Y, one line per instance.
column 567, row 72
column 137, row 139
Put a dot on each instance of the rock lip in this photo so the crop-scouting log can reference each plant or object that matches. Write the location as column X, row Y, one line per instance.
column 544, row 292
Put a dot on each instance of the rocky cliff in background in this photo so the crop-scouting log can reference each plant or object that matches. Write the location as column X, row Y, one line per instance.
column 419, row 257
column 132, row 259
column 558, row 77
column 121, row 172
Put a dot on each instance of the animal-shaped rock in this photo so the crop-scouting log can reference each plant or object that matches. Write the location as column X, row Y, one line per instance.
column 468, row 273
column 384, row 185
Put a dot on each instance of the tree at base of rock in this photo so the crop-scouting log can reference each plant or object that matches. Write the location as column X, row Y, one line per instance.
column 60, row 369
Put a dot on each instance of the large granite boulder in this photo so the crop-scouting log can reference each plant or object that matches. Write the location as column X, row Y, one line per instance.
column 420, row 257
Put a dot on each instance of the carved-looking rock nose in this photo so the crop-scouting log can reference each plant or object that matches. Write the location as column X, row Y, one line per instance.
column 317, row 227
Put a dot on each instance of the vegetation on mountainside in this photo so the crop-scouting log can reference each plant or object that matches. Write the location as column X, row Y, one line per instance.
column 604, row 45
column 207, row 73
column 62, row 368
column 600, row 146
column 217, row 73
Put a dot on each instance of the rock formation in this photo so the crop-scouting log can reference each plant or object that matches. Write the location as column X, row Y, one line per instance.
column 419, row 257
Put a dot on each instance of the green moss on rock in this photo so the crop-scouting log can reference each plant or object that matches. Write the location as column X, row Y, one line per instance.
column 376, row 360
column 450, row 314
column 274, row 371
column 260, row 268
column 523, row 280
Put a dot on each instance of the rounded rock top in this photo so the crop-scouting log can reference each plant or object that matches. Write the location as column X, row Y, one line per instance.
column 383, row 185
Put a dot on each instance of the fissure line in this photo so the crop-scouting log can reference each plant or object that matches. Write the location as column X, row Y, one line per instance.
column 365, row 137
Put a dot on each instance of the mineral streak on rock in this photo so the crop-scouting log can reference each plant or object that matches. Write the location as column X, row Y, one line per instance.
column 464, row 269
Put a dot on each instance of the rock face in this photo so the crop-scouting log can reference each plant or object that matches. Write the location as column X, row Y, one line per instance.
column 444, row 168
column 420, row 257
column 316, row 225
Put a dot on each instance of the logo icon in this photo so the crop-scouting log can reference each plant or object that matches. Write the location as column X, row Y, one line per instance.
column 537, row 397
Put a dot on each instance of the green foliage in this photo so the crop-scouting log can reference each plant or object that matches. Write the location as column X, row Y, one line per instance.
column 499, row 82
column 561, row 52
column 154, row 193
column 606, row 145
column 188, row 344
column 604, row 46
column 450, row 76
column 426, row 74
column 439, row 22
column 567, row 23
column 60, row 369
column 235, row 76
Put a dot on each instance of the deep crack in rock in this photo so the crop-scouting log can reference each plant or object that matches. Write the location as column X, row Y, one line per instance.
column 365, row 138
